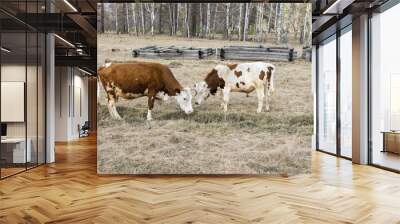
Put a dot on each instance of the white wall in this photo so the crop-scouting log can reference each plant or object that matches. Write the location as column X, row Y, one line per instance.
column 69, row 82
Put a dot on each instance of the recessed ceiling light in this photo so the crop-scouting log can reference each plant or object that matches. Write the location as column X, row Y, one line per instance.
column 70, row 5
column 64, row 40
column 86, row 72
column 5, row 50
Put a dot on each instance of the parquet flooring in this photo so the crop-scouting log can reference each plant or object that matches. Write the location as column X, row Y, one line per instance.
column 70, row 191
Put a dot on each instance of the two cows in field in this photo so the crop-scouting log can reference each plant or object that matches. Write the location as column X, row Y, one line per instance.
column 156, row 81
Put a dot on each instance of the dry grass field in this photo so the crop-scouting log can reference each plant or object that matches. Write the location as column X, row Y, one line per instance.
column 272, row 143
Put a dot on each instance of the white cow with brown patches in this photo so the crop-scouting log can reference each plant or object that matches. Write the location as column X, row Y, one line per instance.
column 244, row 77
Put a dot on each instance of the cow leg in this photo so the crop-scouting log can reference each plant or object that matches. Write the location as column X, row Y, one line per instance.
column 260, row 96
column 267, row 95
column 112, row 108
column 226, row 92
column 271, row 82
column 151, row 99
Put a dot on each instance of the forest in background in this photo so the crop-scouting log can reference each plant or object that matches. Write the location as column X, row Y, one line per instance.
column 259, row 22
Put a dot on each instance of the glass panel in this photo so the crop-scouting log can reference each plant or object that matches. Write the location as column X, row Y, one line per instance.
column 13, row 87
column 41, row 99
column 386, row 89
column 346, row 94
column 31, row 98
column 327, row 97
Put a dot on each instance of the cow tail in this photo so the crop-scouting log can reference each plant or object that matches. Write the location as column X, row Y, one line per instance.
column 100, row 76
column 272, row 79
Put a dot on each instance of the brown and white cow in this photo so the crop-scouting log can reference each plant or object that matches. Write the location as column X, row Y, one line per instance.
column 244, row 77
column 134, row 80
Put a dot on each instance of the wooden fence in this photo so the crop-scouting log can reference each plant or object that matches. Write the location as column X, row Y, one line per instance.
column 257, row 53
column 249, row 53
column 173, row 52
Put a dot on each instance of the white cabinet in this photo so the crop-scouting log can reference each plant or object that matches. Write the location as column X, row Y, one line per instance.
column 17, row 146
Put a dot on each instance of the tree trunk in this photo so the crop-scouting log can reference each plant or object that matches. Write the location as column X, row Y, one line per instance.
column 160, row 18
column 127, row 17
column 280, row 24
column 259, row 24
column 135, row 27
column 171, row 19
column 208, row 19
column 177, row 7
column 142, row 17
column 201, row 19
column 152, row 16
column 240, row 22
column 214, row 18
column 193, row 18
column 187, row 28
column 276, row 17
column 306, row 37
column 246, row 21
column 116, row 18
column 271, row 6
column 102, row 18
column 227, row 27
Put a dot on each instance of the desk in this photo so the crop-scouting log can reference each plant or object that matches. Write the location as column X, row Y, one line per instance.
column 391, row 141
column 15, row 148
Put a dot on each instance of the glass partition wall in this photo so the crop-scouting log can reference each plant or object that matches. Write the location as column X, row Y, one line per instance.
column 22, row 107
column 385, row 90
column 334, row 84
column 327, row 95
column 345, row 61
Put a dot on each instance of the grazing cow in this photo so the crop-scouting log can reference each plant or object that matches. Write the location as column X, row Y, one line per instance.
column 244, row 77
column 134, row 80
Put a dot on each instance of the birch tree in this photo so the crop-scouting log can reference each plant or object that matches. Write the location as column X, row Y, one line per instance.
column 240, row 23
column 142, row 17
column 246, row 21
column 135, row 27
column 208, row 19
column 227, row 25
column 150, row 8
column 187, row 13
column 102, row 18
column 259, row 21
column 127, row 17
column 271, row 6
column 116, row 18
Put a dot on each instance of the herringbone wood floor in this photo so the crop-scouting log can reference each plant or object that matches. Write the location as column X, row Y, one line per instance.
column 70, row 191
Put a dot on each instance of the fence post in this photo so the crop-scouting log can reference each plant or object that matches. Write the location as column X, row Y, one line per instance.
column 291, row 54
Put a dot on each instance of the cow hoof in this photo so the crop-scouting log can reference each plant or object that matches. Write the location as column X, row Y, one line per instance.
column 148, row 125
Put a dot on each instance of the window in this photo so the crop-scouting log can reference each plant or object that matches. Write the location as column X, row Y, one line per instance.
column 22, row 76
column 385, row 89
column 346, row 93
column 327, row 96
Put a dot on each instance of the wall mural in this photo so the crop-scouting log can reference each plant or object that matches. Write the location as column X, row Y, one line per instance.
column 204, row 88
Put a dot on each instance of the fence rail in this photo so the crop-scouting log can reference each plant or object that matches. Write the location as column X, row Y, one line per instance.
column 173, row 52
column 257, row 53
column 252, row 53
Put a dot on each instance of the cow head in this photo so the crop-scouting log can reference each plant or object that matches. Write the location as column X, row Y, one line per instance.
column 184, row 99
column 201, row 92
column 210, row 84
